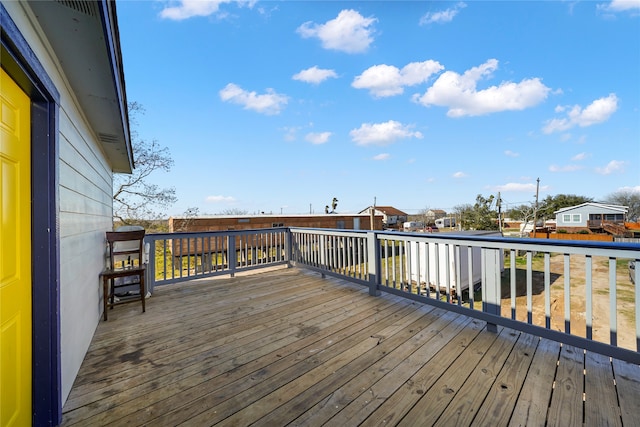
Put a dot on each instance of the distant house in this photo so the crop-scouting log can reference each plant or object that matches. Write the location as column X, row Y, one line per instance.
column 433, row 214
column 391, row 217
column 253, row 222
column 65, row 131
column 245, row 222
column 598, row 217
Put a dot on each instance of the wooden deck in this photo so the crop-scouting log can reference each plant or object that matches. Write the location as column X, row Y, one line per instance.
column 289, row 347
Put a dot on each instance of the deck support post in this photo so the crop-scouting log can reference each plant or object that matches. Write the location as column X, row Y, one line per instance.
column 374, row 267
column 150, row 273
column 232, row 255
column 287, row 250
column 491, row 284
column 322, row 251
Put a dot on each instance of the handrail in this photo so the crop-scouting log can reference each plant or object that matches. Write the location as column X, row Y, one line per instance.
column 568, row 291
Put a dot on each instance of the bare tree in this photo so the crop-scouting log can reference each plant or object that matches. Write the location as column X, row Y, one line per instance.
column 135, row 198
column 234, row 212
column 628, row 198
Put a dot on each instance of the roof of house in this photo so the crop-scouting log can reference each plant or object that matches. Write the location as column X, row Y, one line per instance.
column 597, row 206
column 390, row 210
column 387, row 210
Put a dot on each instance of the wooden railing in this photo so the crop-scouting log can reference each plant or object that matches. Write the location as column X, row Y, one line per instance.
column 579, row 293
column 176, row 257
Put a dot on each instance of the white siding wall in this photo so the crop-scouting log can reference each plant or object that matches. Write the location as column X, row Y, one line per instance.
column 85, row 214
column 85, row 210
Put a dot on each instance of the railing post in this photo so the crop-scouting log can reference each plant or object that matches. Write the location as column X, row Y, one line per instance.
column 288, row 243
column 322, row 250
column 150, row 274
column 232, row 256
column 373, row 258
column 491, row 284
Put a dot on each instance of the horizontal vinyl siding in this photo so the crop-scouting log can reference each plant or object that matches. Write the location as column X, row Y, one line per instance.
column 85, row 214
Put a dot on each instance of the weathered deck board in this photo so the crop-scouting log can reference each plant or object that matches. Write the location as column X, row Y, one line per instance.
column 566, row 402
column 288, row 347
column 601, row 405
column 533, row 402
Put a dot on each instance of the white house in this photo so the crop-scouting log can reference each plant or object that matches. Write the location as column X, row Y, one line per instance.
column 65, row 130
column 590, row 215
column 391, row 217
column 434, row 214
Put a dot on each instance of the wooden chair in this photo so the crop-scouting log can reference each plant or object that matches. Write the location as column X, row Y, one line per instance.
column 125, row 261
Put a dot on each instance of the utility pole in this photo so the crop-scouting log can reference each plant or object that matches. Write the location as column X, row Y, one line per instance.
column 535, row 209
column 372, row 213
column 499, row 213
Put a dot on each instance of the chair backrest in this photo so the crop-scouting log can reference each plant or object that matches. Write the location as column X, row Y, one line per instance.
column 125, row 247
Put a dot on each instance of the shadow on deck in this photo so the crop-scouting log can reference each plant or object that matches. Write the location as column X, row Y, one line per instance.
column 289, row 347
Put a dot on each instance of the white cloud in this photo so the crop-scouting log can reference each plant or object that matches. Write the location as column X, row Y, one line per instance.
column 620, row 5
column 185, row 9
column 349, row 32
column 510, row 153
column 565, row 168
column 518, row 187
column 580, row 156
column 382, row 133
column 314, row 75
column 220, row 199
column 387, row 80
column 635, row 189
column 459, row 175
column 446, row 15
column 269, row 103
column 611, row 167
column 318, row 137
column 382, row 156
column 460, row 94
column 597, row 112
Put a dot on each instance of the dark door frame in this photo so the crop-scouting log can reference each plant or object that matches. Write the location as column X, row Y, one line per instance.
column 21, row 63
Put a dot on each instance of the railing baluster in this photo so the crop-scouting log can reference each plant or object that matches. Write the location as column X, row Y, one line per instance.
column 589, row 296
column 547, row 289
column 567, row 294
column 427, row 267
column 447, row 270
column 471, row 284
column 613, row 295
column 396, row 259
column 529, row 288
column 512, row 281
column 436, row 260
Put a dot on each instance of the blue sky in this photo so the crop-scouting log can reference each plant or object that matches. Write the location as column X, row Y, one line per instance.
column 273, row 107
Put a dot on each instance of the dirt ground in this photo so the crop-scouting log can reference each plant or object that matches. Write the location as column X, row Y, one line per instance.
column 601, row 301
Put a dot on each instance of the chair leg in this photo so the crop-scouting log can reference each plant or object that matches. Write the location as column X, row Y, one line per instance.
column 105, row 296
column 113, row 292
column 143, row 292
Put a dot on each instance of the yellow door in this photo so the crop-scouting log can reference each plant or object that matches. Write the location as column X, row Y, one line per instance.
column 15, row 255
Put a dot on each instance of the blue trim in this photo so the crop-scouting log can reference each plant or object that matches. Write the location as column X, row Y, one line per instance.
column 23, row 66
column 108, row 18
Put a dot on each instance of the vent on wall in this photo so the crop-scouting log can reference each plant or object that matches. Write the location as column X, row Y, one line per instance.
column 110, row 139
column 86, row 7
